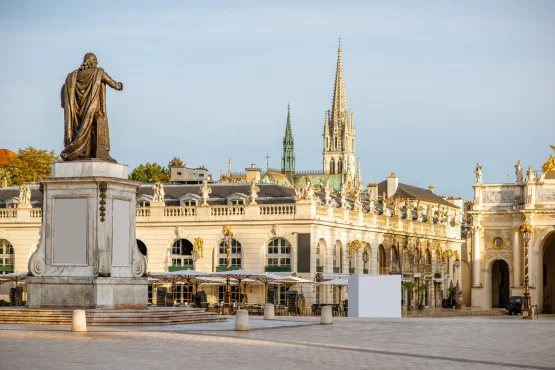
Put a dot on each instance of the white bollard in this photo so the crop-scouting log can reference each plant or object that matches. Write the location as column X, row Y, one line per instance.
column 79, row 321
column 242, row 320
column 326, row 317
column 269, row 312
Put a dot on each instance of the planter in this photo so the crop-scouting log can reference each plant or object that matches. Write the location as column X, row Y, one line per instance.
column 445, row 303
column 420, row 306
column 458, row 305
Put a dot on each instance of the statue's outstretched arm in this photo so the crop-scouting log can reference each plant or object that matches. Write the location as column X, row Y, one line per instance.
column 110, row 82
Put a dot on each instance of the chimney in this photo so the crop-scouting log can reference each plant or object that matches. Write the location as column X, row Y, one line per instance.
column 4, row 183
column 253, row 173
column 431, row 188
column 392, row 184
column 372, row 191
column 455, row 201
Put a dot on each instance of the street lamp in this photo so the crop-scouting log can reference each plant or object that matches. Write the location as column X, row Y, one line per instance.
column 365, row 258
column 228, row 239
column 526, row 231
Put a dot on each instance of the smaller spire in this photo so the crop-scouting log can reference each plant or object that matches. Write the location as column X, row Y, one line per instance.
column 229, row 168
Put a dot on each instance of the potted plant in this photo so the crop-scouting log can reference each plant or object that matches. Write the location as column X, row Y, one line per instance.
column 420, row 289
column 451, row 293
column 458, row 297
column 409, row 286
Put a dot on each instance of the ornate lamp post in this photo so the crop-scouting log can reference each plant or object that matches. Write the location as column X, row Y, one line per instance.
column 526, row 231
column 228, row 239
column 365, row 258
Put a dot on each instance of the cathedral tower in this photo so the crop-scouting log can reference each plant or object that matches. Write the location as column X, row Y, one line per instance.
column 339, row 130
column 288, row 155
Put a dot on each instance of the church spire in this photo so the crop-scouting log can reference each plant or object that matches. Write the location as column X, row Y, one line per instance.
column 339, row 106
column 288, row 155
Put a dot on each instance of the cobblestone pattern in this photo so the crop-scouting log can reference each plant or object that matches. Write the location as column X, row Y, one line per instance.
column 460, row 343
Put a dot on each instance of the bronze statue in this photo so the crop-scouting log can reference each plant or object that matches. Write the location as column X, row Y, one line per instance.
column 86, row 133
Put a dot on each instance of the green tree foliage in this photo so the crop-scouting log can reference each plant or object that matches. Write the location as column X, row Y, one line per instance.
column 30, row 165
column 150, row 173
column 175, row 162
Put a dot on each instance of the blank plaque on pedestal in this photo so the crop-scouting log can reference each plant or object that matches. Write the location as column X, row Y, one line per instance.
column 70, row 231
column 121, row 253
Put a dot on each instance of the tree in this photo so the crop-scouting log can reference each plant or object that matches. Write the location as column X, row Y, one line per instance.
column 150, row 173
column 175, row 162
column 30, row 165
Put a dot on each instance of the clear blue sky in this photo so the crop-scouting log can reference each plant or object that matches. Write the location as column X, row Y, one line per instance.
column 435, row 86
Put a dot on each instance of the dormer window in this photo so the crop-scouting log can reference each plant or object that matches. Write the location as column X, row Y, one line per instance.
column 189, row 200
column 237, row 199
column 238, row 202
column 189, row 203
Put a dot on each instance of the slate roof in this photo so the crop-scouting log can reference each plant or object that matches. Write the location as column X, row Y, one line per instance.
column 413, row 192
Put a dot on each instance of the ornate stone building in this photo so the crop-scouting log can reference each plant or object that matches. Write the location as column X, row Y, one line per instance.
column 497, row 250
column 274, row 230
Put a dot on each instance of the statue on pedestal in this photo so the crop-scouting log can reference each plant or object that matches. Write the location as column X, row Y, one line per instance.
column 327, row 192
column 83, row 98
column 518, row 170
column 530, row 175
column 478, row 172
column 343, row 195
column 205, row 192
column 24, row 194
column 158, row 192
column 253, row 192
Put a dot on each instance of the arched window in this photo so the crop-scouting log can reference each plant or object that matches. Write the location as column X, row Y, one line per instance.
column 182, row 255
column 320, row 255
column 6, row 257
column 339, row 166
column 279, row 255
column 394, row 259
column 337, row 258
column 236, row 256
column 332, row 166
column 381, row 261
column 142, row 247
column 335, row 147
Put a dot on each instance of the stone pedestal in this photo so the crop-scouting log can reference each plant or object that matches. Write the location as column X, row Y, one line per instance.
column 88, row 256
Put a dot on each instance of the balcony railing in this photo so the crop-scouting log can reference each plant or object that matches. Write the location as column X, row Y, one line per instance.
column 277, row 209
column 277, row 269
column 180, row 211
column 352, row 270
column 336, row 270
column 227, row 210
column 365, row 271
column 319, row 268
column 8, row 213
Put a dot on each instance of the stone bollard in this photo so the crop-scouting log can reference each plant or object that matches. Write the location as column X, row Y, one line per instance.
column 326, row 317
column 242, row 320
column 79, row 321
column 269, row 312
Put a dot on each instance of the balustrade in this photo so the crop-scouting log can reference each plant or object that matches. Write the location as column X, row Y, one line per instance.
column 180, row 211
column 353, row 216
column 8, row 213
column 142, row 212
column 35, row 213
column 338, row 213
column 227, row 210
column 321, row 210
column 277, row 209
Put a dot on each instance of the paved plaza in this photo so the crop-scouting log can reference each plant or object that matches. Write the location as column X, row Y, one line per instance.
column 298, row 343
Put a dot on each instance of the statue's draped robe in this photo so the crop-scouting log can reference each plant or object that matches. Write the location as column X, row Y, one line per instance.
column 84, row 100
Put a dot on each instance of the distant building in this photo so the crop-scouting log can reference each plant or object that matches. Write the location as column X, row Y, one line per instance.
column 495, row 246
column 185, row 175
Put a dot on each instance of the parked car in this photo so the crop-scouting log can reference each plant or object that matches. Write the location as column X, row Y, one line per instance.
column 514, row 305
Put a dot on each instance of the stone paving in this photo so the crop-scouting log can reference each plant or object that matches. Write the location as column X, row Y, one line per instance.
column 446, row 343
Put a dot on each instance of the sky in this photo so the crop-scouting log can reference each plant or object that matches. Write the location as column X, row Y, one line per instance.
column 435, row 86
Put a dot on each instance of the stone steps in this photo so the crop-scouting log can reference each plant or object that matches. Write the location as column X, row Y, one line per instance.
column 148, row 317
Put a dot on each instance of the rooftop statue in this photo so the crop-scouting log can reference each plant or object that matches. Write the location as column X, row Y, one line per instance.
column 478, row 173
column 83, row 97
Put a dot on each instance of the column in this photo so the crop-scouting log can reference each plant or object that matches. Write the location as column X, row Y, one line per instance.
column 476, row 257
column 517, row 261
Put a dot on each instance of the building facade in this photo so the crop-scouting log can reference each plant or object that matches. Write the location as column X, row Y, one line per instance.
column 274, row 230
column 497, row 253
